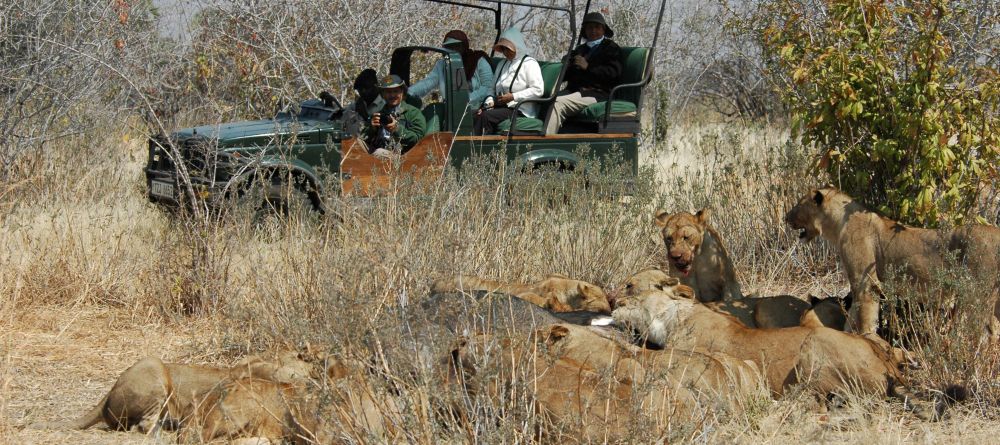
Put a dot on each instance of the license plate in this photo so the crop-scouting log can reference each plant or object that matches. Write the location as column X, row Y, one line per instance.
column 161, row 189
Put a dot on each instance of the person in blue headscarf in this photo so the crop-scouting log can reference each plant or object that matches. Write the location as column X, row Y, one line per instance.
column 517, row 78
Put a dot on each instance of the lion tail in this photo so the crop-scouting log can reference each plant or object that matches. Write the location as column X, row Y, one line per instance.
column 87, row 420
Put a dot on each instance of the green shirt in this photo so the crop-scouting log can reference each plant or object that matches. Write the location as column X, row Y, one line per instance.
column 410, row 125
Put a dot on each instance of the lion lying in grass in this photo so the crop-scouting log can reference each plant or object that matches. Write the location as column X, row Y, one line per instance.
column 556, row 292
column 824, row 361
column 591, row 388
column 869, row 245
column 151, row 393
column 345, row 408
column 782, row 311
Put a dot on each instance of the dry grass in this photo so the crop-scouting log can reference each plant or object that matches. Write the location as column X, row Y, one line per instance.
column 94, row 278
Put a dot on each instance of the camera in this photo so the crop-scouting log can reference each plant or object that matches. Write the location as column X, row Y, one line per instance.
column 386, row 118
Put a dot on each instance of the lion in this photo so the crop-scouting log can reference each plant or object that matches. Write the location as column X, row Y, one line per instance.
column 698, row 256
column 341, row 406
column 591, row 387
column 869, row 245
column 556, row 292
column 151, row 393
column 782, row 311
column 823, row 361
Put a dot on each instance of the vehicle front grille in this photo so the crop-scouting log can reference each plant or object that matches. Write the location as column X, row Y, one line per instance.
column 202, row 158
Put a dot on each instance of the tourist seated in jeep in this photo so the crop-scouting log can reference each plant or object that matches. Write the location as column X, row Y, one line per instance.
column 357, row 114
column 398, row 126
column 595, row 68
column 518, row 78
column 476, row 64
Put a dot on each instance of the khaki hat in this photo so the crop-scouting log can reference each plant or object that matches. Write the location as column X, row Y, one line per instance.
column 391, row 81
column 504, row 43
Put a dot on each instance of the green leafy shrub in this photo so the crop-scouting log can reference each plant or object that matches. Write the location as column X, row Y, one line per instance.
column 902, row 123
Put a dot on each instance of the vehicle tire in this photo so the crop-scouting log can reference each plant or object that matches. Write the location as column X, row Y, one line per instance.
column 273, row 194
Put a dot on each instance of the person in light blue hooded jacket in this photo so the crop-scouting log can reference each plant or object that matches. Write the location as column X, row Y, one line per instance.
column 478, row 71
column 517, row 78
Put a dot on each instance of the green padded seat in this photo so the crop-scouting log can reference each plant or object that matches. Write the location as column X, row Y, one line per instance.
column 595, row 112
column 634, row 61
column 550, row 73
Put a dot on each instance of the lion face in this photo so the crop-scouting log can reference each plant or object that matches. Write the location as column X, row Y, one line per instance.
column 805, row 216
column 647, row 280
column 654, row 315
column 682, row 235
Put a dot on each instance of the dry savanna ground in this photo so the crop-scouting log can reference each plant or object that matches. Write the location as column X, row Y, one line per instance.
column 93, row 277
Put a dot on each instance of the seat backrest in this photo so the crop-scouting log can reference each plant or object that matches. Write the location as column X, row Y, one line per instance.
column 634, row 60
column 550, row 73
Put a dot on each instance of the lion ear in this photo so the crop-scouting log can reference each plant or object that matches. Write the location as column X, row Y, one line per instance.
column 818, row 198
column 703, row 215
column 556, row 333
column 661, row 218
column 671, row 281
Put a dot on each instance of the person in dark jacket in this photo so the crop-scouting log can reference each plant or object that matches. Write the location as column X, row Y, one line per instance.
column 595, row 68
column 398, row 126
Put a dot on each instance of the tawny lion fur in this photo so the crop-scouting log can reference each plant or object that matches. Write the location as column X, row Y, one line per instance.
column 697, row 255
column 819, row 359
column 152, row 393
column 869, row 245
column 556, row 292
column 781, row 311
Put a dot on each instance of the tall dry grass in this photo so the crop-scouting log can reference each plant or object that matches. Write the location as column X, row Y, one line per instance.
column 81, row 235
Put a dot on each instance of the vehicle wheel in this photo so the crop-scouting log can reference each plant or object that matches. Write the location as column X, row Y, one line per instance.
column 272, row 195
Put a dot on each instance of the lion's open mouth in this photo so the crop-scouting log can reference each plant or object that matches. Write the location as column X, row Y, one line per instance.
column 683, row 267
column 803, row 234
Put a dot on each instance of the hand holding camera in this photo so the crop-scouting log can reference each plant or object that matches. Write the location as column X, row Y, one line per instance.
column 384, row 119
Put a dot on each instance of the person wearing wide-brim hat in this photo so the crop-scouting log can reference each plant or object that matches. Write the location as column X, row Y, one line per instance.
column 475, row 63
column 595, row 68
column 398, row 126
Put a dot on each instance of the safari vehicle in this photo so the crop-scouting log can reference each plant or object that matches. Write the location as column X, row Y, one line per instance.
column 280, row 160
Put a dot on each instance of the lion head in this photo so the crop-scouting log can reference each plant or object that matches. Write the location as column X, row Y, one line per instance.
column 654, row 315
column 683, row 234
column 807, row 215
column 653, row 279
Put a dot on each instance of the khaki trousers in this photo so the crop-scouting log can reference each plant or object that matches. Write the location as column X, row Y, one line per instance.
column 567, row 105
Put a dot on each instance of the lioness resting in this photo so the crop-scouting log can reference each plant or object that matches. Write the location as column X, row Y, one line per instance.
column 151, row 393
column 591, row 388
column 869, row 245
column 824, row 360
column 783, row 311
column 556, row 292
column 344, row 408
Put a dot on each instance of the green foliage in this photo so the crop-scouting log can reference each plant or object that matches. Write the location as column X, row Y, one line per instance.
column 875, row 85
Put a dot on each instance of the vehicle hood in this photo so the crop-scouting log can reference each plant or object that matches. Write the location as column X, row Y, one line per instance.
column 258, row 132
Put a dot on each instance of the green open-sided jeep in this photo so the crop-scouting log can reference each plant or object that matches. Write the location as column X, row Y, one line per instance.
column 295, row 151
